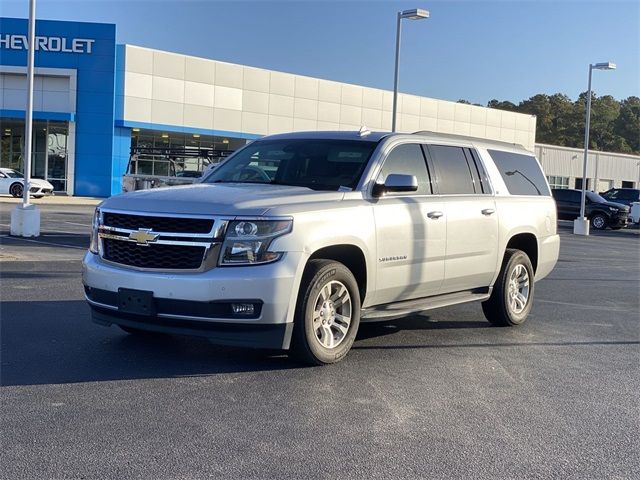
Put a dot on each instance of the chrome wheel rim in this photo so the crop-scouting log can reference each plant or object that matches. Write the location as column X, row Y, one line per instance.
column 332, row 314
column 518, row 292
column 598, row 222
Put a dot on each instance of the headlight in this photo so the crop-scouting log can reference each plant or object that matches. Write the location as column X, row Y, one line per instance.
column 614, row 209
column 247, row 242
column 95, row 224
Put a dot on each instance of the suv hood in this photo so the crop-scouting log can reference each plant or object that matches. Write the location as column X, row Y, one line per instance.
column 218, row 199
column 620, row 206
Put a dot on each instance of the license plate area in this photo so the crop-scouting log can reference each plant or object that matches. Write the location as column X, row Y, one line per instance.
column 138, row 302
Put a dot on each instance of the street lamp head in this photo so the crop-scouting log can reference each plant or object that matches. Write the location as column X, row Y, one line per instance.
column 415, row 14
column 605, row 66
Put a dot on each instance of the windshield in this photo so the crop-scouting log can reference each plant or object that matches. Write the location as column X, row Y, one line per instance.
column 316, row 164
column 12, row 174
column 594, row 197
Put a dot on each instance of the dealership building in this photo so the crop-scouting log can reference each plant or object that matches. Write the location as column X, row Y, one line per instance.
column 96, row 102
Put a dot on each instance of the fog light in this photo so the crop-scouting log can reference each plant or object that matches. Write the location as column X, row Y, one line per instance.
column 242, row 308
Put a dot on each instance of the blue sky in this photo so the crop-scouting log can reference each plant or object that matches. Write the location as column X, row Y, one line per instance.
column 474, row 50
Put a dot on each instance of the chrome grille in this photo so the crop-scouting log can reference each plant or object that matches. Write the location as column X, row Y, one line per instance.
column 158, row 242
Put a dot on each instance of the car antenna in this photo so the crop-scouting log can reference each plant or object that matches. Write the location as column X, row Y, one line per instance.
column 364, row 131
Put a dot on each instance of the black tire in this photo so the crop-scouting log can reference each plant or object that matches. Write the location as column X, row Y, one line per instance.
column 599, row 221
column 498, row 309
column 306, row 346
column 16, row 190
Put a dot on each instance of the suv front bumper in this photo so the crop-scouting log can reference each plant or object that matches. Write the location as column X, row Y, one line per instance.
column 199, row 303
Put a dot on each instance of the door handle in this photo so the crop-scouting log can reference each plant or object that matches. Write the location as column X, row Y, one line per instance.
column 435, row 215
column 488, row 211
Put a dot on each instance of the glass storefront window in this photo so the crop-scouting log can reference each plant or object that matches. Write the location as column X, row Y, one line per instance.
column 49, row 147
column 177, row 154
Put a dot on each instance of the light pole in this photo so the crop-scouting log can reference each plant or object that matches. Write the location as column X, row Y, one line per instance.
column 581, row 224
column 414, row 14
column 25, row 218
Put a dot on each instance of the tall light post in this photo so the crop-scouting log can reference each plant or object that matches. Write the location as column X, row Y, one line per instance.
column 414, row 14
column 25, row 218
column 581, row 224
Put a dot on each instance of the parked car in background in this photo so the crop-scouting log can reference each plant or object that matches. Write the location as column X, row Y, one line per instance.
column 600, row 212
column 12, row 182
column 626, row 196
column 634, row 214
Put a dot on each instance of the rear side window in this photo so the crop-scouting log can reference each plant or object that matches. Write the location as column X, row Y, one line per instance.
column 455, row 176
column 407, row 160
column 521, row 173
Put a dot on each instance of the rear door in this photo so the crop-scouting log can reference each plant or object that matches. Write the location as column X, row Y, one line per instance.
column 410, row 231
column 469, row 206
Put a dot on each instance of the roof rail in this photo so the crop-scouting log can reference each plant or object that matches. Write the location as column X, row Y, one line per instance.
column 454, row 136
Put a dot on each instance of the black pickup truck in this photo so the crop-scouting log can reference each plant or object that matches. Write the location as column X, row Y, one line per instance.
column 600, row 212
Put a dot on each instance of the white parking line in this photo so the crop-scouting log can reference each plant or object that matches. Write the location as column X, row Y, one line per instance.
column 80, row 224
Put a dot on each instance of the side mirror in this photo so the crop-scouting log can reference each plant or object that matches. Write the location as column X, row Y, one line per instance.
column 396, row 182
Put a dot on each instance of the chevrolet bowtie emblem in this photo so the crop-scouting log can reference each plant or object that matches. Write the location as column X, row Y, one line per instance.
column 143, row 236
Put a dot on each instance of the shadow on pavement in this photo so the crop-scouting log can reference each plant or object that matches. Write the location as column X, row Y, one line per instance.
column 52, row 342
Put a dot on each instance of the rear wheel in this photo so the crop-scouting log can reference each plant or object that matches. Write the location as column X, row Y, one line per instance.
column 512, row 296
column 327, row 313
column 599, row 221
column 16, row 190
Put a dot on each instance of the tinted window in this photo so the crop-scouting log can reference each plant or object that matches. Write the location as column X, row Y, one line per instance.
column 407, row 160
column 594, row 197
column 316, row 164
column 454, row 174
column 521, row 173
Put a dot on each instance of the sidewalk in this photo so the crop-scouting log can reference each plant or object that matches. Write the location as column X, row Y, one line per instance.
column 54, row 200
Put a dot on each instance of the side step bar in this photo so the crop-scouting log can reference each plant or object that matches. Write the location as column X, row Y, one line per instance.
column 390, row 311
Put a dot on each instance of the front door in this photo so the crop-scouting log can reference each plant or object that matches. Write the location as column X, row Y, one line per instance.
column 410, row 231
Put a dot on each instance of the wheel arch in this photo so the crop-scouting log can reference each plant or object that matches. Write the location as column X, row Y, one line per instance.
column 350, row 256
column 528, row 243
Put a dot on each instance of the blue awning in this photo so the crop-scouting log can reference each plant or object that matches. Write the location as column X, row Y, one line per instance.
column 39, row 115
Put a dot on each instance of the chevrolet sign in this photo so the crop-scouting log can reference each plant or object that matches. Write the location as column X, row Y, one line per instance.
column 143, row 236
column 47, row 44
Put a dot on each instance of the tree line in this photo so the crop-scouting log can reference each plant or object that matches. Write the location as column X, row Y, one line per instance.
column 615, row 124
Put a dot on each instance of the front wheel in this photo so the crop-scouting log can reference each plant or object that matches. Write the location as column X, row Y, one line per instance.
column 327, row 313
column 16, row 190
column 512, row 296
column 599, row 221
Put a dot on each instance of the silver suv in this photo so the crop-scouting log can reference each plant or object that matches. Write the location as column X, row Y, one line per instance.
column 297, row 238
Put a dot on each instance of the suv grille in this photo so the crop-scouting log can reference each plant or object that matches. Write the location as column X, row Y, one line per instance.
column 159, row 242
column 158, row 224
column 161, row 256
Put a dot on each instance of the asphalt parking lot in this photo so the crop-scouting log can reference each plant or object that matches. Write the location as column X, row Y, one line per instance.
column 442, row 395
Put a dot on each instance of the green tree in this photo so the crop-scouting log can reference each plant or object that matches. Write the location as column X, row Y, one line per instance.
column 615, row 125
column 627, row 125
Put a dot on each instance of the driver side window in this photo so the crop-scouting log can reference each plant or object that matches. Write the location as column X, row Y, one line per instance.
column 407, row 159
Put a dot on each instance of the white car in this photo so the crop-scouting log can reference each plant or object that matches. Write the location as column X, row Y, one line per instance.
column 634, row 215
column 12, row 182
